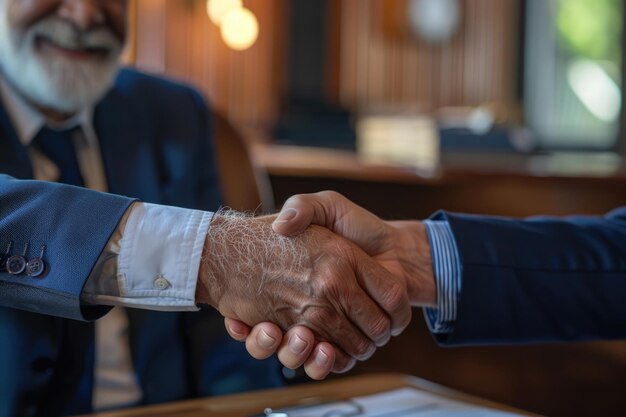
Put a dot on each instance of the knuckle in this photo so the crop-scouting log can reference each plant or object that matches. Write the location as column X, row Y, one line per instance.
column 330, row 287
column 394, row 298
column 363, row 349
column 333, row 199
column 321, row 317
column 381, row 329
column 330, row 194
column 295, row 200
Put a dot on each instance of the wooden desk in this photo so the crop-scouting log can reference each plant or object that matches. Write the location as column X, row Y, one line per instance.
column 304, row 162
column 243, row 405
column 498, row 184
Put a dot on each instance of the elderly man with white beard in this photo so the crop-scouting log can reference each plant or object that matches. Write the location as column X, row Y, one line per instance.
column 69, row 115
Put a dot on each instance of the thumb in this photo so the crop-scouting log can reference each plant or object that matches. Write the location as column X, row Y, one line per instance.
column 333, row 211
column 300, row 211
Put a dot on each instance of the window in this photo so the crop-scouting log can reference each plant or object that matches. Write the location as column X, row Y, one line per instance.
column 573, row 72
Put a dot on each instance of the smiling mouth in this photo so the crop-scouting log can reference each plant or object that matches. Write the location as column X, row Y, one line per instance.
column 99, row 53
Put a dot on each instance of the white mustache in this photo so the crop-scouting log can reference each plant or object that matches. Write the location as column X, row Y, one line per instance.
column 67, row 35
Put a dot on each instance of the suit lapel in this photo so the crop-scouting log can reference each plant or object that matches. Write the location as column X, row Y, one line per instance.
column 14, row 159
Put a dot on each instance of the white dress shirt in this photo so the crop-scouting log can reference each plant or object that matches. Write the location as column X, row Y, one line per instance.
column 151, row 261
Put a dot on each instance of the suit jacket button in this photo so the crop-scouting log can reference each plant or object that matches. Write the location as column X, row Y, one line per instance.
column 16, row 265
column 35, row 267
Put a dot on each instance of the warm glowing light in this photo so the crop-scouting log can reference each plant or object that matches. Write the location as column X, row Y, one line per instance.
column 219, row 9
column 240, row 29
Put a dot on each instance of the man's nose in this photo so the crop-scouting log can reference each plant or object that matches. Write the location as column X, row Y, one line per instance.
column 83, row 13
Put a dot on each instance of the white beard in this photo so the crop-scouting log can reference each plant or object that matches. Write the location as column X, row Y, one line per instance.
column 50, row 79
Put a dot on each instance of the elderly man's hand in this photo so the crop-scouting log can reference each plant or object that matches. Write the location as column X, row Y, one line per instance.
column 401, row 247
column 316, row 279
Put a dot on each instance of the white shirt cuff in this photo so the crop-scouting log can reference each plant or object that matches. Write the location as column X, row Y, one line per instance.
column 158, row 254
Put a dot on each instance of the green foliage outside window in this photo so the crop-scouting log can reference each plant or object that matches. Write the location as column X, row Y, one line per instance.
column 591, row 28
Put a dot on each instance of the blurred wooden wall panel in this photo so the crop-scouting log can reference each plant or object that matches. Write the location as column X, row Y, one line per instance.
column 177, row 38
column 373, row 59
column 382, row 63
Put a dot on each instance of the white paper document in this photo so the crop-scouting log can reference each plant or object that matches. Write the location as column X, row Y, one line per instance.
column 403, row 402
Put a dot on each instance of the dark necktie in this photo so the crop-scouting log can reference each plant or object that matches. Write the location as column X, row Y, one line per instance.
column 58, row 146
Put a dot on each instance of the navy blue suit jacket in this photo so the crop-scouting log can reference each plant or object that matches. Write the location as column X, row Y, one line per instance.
column 156, row 144
column 541, row 279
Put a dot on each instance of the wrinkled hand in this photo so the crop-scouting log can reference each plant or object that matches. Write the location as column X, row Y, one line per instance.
column 400, row 247
column 316, row 279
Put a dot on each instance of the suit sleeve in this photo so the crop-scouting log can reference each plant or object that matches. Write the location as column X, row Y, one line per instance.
column 73, row 224
column 540, row 279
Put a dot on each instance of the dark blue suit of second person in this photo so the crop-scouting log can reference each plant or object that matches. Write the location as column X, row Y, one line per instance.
column 542, row 279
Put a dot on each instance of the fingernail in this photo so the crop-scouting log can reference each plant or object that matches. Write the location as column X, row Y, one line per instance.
column 322, row 358
column 351, row 365
column 236, row 332
column 286, row 215
column 370, row 352
column 265, row 340
column 297, row 345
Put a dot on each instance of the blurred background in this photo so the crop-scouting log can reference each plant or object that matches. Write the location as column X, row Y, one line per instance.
column 506, row 107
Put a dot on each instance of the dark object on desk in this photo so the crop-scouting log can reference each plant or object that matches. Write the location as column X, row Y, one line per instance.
column 314, row 122
column 498, row 138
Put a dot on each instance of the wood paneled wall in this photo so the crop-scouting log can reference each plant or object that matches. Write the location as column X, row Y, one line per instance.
column 373, row 58
column 382, row 63
column 176, row 37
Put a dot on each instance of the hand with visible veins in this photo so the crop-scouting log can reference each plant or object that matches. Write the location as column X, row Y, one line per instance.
column 315, row 280
column 401, row 247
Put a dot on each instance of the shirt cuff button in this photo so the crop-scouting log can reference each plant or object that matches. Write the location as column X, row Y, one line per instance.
column 160, row 283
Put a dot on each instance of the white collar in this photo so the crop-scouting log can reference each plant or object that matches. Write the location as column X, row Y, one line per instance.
column 28, row 121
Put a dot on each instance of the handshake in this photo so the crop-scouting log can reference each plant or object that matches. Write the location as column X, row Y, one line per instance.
column 323, row 284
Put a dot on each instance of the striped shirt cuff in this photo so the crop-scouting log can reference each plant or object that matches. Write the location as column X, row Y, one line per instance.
column 448, row 275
